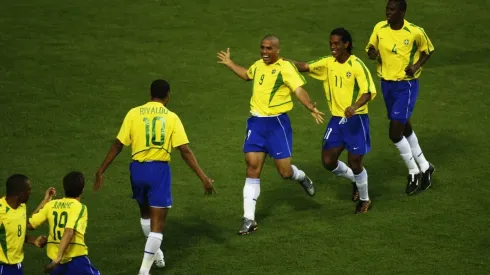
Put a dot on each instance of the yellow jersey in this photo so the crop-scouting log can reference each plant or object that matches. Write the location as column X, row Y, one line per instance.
column 12, row 233
column 398, row 49
column 272, row 87
column 344, row 83
column 64, row 213
column 152, row 130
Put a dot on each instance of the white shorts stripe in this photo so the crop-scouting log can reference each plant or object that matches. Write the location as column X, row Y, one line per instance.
column 285, row 135
column 365, row 137
column 409, row 96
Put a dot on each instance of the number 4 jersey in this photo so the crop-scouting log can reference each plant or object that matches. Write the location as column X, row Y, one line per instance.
column 61, row 214
column 152, row 130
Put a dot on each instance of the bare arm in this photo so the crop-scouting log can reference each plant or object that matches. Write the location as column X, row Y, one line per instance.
column 302, row 66
column 410, row 70
column 237, row 69
column 304, row 98
column 350, row 111
column 50, row 193
column 116, row 148
column 65, row 242
column 188, row 156
column 40, row 241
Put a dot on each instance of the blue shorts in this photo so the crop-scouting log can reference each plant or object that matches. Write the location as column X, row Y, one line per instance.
column 351, row 133
column 272, row 135
column 77, row 266
column 400, row 98
column 11, row 269
column 151, row 183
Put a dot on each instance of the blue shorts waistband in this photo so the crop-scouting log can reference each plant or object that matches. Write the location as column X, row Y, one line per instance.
column 149, row 161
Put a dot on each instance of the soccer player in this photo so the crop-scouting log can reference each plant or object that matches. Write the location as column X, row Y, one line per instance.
column 13, row 224
column 152, row 130
column 269, row 129
column 67, row 218
column 349, row 87
column 401, row 49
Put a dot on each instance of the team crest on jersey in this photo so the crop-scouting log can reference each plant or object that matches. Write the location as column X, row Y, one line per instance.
column 406, row 42
column 274, row 71
column 348, row 74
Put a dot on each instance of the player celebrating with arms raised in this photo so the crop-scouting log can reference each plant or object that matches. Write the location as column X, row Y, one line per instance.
column 152, row 130
column 269, row 129
column 401, row 48
column 349, row 87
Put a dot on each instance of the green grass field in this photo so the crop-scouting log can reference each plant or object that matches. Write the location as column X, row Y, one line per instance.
column 70, row 70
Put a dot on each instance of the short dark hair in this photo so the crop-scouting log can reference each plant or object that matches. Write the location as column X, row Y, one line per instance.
column 73, row 184
column 402, row 4
column 160, row 89
column 16, row 184
column 346, row 37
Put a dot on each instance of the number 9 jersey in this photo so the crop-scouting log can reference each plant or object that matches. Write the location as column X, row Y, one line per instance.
column 152, row 130
column 64, row 213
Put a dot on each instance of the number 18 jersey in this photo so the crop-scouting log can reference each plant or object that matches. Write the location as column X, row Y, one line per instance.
column 152, row 130
column 60, row 214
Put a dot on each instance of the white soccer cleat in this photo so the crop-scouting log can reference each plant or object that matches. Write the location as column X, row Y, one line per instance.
column 159, row 260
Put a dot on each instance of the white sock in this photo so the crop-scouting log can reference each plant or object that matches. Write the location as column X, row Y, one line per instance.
column 344, row 171
column 145, row 225
column 417, row 152
column 152, row 245
column 406, row 153
column 362, row 185
column 251, row 192
column 298, row 175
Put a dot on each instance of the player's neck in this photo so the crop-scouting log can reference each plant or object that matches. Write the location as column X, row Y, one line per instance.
column 164, row 102
column 343, row 58
column 398, row 25
column 77, row 198
column 13, row 202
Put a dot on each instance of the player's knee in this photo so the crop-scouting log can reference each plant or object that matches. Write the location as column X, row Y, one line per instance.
column 395, row 137
column 355, row 163
column 329, row 162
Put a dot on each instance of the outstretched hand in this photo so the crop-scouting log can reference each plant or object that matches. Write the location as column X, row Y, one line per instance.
column 317, row 115
column 207, row 184
column 224, row 57
column 99, row 178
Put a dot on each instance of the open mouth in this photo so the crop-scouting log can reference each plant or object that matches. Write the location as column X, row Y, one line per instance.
column 265, row 57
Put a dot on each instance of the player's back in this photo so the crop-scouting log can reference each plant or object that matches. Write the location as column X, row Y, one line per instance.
column 64, row 213
column 12, row 233
column 150, row 130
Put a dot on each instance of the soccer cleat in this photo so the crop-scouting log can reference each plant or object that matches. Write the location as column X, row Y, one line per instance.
column 363, row 206
column 427, row 177
column 248, row 226
column 308, row 186
column 159, row 259
column 355, row 192
column 413, row 183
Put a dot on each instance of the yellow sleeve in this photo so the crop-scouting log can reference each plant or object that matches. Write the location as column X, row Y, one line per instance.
column 179, row 136
column 76, row 216
column 423, row 42
column 318, row 68
column 373, row 39
column 40, row 217
column 251, row 71
column 364, row 79
column 124, row 135
column 291, row 77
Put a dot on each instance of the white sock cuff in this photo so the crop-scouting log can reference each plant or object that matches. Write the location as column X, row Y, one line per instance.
column 412, row 138
column 252, row 181
column 361, row 176
column 155, row 235
column 145, row 221
column 341, row 168
column 403, row 146
column 295, row 169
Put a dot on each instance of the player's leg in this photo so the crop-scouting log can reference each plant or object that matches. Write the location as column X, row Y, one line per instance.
column 332, row 147
column 139, row 179
column 255, row 152
column 280, row 147
column 251, row 190
column 159, row 197
column 401, row 111
column 426, row 167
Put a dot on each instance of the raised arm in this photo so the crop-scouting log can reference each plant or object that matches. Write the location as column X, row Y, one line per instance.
column 189, row 158
column 237, row 69
column 302, row 66
column 304, row 98
column 50, row 193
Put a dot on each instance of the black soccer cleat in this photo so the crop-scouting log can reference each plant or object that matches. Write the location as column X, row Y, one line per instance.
column 427, row 177
column 413, row 183
column 355, row 192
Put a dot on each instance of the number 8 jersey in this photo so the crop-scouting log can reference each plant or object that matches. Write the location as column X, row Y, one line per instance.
column 12, row 233
column 152, row 130
column 64, row 213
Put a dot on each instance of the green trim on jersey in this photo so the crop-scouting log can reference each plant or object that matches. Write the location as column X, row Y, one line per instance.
column 412, row 53
column 407, row 29
column 318, row 59
column 79, row 216
column 3, row 241
column 365, row 74
column 279, row 82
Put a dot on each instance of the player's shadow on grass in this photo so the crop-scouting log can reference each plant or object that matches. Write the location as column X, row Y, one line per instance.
column 183, row 233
